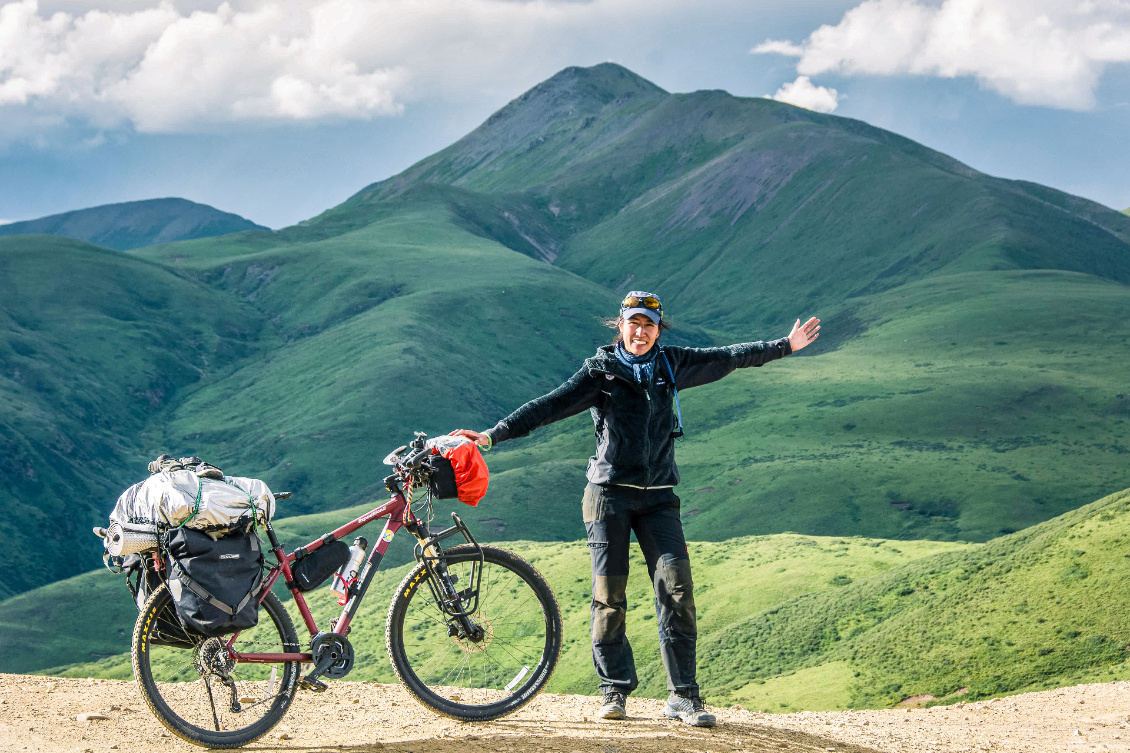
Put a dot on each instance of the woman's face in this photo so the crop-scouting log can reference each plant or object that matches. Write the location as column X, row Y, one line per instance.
column 639, row 334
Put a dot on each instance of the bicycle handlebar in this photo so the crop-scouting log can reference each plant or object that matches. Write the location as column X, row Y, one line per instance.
column 414, row 459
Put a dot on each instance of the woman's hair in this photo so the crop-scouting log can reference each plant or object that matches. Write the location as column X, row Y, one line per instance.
column 664, row 325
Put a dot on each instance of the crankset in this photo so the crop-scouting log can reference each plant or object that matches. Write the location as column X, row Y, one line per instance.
column 333, row 657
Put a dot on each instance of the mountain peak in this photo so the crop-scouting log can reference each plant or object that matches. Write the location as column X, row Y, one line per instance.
column 565, row 103
column 134, row 224
column 574, row 92
column 598, row 84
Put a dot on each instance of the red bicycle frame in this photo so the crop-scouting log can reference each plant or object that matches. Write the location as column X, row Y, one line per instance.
column 400, row 515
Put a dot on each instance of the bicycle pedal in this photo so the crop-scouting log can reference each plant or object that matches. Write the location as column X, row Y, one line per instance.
column 314, row 686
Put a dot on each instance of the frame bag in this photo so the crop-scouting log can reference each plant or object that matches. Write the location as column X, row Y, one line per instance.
column 215, row 583
column 315, row 568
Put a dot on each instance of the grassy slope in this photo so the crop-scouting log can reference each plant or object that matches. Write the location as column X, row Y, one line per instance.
column 953, row 403
column 855, row 218
column 1018, row 613
column 945, row 420
column 398, row 326
column 974, row 405
column 93, row 345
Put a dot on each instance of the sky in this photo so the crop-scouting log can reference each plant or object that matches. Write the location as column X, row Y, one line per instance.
column 280, row 109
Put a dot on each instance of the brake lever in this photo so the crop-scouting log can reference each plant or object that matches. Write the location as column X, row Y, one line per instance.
column 394, row 456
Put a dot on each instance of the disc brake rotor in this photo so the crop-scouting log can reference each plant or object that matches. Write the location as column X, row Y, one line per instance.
column 469, row 646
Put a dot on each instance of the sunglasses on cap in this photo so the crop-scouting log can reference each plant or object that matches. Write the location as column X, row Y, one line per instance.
column 642, row 302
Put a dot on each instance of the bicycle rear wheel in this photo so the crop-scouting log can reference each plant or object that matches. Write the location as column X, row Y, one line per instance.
column 502, row 671
column 197, row 691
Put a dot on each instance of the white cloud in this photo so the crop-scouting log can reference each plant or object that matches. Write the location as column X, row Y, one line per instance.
column 803, row 93
column 779, row 47
column 161, row 68
column 1041, row 52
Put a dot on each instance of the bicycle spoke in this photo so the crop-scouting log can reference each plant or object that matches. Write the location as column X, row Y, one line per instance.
column 491, row 675
column 177, row 678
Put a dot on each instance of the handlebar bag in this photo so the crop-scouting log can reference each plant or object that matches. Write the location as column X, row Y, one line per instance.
column 214, row 583
column 458, row 470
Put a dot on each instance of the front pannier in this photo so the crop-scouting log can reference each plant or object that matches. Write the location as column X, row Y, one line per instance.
column 214, row 584
column 316, row 567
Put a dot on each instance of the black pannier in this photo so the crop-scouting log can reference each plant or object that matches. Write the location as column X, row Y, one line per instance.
column 442, row 483
column 316, row 567
column 214, row 584
column 140, row 580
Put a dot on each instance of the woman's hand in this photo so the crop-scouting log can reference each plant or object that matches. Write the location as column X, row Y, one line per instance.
column 804, row 334
column 478, row 438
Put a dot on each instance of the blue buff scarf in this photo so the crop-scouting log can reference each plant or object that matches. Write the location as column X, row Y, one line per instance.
column 642, row 366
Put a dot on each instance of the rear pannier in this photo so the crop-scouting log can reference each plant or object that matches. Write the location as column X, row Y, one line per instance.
column 214, row 583
column 192, row 527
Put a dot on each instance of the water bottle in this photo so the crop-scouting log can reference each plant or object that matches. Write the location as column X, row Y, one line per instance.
column 347, row 573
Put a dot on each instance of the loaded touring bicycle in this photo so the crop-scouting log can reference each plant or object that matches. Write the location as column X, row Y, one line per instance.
column 473, row 631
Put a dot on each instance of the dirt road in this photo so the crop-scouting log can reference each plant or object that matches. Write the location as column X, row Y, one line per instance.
column 41, row 715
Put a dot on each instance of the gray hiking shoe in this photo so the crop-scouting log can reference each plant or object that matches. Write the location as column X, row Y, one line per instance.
column 614, row 706
column 690, row 710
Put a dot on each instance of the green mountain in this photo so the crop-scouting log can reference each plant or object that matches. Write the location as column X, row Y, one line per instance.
column 93, row 345
column 134, row 224
column 966, row 383
column 744, row 212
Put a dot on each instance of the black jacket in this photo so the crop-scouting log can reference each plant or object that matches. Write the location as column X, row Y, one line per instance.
column 634, row 421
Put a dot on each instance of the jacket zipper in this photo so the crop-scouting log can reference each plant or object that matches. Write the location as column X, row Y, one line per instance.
column 647, row 433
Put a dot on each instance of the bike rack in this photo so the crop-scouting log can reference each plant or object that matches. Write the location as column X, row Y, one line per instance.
column 436, row 565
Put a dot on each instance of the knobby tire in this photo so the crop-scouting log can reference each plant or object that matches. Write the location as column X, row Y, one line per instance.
column 462, row 679
column 194, row 704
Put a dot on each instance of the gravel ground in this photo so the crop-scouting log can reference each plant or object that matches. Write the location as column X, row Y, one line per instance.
column 44, row 715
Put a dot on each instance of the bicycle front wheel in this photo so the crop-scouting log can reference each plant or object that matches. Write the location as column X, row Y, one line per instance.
column 197, row 691
column 512, row 656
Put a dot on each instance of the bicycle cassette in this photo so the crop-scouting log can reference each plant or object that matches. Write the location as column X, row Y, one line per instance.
column 336, row 653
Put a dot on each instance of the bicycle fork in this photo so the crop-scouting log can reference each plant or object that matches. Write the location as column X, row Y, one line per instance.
column 457, row 605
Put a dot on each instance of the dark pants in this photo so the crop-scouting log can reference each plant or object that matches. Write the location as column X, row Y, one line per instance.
column 611, row 514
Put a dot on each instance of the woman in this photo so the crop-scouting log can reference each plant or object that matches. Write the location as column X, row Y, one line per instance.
column 631, row 388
